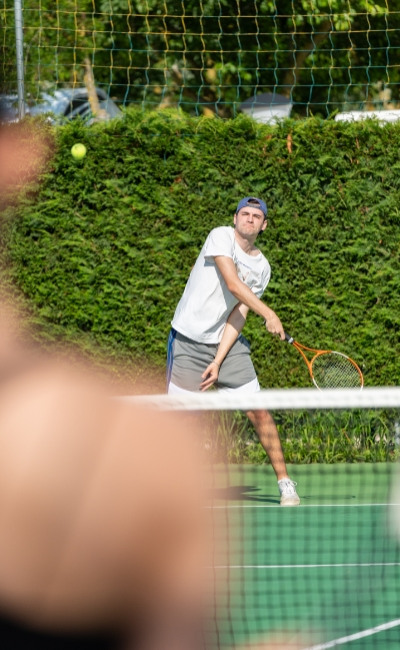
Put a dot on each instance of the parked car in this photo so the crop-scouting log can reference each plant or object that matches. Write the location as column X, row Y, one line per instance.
column 69, row 103
column 61, row 105
column 8, row 108
column 384, row 115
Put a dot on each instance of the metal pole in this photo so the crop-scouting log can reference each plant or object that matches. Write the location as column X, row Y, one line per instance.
column 19, row 42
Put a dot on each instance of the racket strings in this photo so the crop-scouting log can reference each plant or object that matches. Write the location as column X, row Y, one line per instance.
column 334, row 370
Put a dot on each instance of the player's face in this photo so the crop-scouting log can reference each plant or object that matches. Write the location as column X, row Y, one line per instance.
column 249, row 221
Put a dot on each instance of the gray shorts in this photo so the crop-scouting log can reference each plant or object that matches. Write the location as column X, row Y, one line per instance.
column 188, row 359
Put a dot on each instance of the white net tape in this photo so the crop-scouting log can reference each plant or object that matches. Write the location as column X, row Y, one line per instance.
column 274, row 399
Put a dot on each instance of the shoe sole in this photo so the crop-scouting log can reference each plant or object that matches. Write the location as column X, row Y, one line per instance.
column 290, row 502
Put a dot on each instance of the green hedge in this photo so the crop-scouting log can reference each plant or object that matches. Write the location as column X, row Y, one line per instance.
column 102, row 249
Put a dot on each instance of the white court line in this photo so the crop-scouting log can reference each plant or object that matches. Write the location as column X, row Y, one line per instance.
column 305, row 505
column 307, row 566
column 356, row 636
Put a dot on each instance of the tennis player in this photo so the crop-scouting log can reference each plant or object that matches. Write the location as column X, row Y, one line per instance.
column 206, row 346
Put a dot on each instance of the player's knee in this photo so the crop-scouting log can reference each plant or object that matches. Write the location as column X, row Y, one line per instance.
column 259, row 417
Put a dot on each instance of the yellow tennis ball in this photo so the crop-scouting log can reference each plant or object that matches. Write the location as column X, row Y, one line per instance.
column 78, row 151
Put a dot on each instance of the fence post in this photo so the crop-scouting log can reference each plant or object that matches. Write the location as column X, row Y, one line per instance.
column 19, row 43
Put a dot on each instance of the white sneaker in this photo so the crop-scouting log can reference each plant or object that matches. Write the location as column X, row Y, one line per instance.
column 289, row 496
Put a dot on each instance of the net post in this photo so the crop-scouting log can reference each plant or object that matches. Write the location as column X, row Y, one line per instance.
column 19, row 44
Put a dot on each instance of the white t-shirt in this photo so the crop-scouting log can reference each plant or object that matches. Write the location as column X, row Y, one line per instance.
column 206, row 302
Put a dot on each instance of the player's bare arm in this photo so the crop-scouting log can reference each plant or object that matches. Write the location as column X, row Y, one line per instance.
column 245, row 295
column 233, row 327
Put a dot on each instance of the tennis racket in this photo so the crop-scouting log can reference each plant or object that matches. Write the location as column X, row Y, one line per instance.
column 329, row 369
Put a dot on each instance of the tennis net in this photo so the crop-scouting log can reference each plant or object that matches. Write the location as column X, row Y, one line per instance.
column 321, row 575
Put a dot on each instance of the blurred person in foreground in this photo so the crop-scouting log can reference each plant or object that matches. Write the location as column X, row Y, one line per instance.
column 206, row 346
column 102, row 536
column 104, row 539
column 25, row 148
column 103, row 543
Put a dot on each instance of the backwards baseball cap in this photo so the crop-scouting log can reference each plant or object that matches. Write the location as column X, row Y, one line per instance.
column 250, row 201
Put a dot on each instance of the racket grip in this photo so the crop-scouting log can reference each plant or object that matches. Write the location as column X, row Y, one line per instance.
column 289, row 338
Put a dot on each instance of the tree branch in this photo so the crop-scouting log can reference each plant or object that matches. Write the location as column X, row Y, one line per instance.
column 290, row 77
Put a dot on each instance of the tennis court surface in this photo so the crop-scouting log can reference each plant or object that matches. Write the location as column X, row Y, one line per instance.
column 324, row 574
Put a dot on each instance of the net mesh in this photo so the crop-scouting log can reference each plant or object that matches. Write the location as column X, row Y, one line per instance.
column 335, row 370
column 211, row 56
column 323, row 574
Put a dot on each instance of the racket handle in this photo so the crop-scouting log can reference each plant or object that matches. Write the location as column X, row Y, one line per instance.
column 289, row 338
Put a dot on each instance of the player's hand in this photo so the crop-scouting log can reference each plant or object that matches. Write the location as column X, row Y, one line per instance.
column 209, row 376
column 274, row 326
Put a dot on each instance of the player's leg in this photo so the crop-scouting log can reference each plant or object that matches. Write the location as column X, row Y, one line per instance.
column 186, row 362
column 268, row 435
column 267, row 432
column 238, row 375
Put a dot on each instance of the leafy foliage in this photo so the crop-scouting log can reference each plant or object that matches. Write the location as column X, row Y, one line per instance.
column 211, row 57
column 336, row 436
column 103, row 248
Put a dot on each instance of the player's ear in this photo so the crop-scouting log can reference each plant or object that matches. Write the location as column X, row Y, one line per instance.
column 264, row 225
column 234, row 219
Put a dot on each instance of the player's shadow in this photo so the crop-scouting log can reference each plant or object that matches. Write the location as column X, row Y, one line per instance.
column 242, row 493
column 254, row 494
